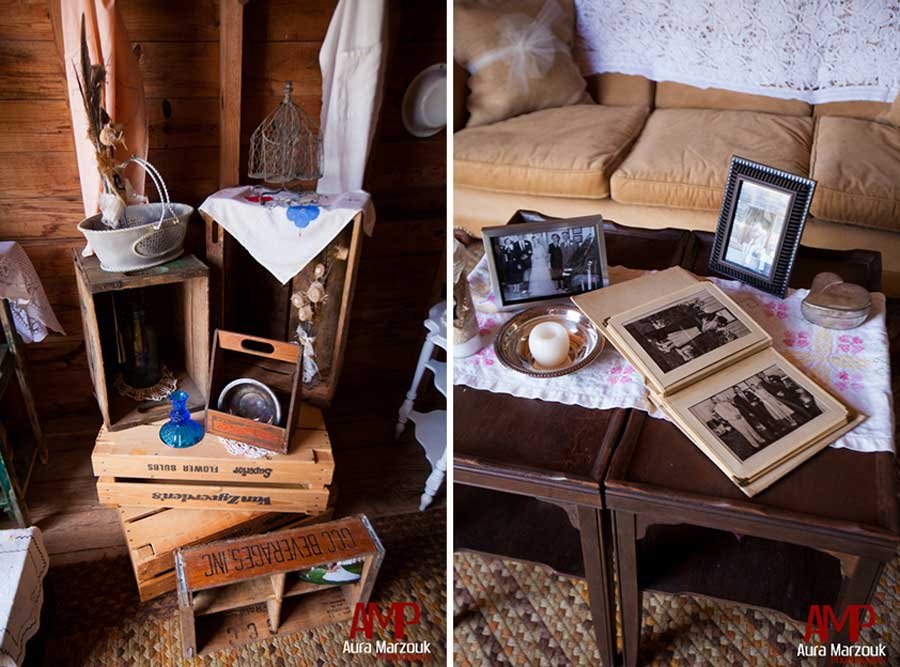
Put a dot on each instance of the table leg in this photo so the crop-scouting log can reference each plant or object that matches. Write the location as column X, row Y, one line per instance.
column 434, row 481
column 629, row 589
column 12, row 339
column 596, row 547
column 857, row 588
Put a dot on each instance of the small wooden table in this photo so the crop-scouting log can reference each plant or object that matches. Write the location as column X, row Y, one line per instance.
column 821, row 535
column 528, row 474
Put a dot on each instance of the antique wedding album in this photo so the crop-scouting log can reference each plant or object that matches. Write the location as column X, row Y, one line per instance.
column 714, row 372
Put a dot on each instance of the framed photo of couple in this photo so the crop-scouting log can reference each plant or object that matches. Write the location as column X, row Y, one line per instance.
column 760, row 225
column 544, row 259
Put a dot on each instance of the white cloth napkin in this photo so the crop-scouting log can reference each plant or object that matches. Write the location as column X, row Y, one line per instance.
column 20, row 284
column 854, row 365
column 23, row 565
column 272, row 229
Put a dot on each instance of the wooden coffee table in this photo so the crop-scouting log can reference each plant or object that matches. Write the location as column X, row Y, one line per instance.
column 821, row 535
column 528, row 474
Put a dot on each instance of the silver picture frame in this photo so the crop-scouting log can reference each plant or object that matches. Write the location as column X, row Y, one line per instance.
column 584, row 270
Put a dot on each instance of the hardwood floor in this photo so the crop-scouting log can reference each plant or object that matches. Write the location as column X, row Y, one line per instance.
column 374, row 474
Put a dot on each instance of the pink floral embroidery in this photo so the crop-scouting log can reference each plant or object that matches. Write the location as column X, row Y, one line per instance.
column 845, row 380
column 487, row 326
column 850, row 344
column 796, row 339
column 485, row 356
column 620, row 374
column 776, row 309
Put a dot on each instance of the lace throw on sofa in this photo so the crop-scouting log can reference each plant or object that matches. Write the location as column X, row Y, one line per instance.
column 813, row 50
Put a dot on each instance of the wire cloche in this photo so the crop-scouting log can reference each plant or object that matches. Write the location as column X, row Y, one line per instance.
column 285, row 147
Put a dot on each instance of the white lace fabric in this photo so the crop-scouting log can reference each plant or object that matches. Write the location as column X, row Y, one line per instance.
column 853, row 365
column 813, row 50
column 20, row 284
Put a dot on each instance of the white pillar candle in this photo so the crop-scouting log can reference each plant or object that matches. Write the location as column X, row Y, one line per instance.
column 549, row 344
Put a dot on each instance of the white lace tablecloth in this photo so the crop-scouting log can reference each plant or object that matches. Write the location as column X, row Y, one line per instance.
column 853, row 364
column 813, row 50
column 20, row 284
column 23, row 564
column 279, row 231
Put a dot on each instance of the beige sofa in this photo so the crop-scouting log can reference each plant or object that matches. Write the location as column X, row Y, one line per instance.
column 656, row 155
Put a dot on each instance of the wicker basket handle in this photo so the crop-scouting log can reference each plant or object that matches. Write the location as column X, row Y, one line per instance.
column 160, row 184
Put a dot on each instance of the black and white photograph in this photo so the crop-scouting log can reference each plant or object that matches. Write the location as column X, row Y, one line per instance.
column 758, row 411
column 686, row 329
column 759, row 220
column 546, row 263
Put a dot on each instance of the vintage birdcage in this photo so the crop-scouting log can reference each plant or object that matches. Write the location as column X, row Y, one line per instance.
column 285, row 147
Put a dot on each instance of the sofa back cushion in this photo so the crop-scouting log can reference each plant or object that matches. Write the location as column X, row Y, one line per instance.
column 621, row 90
column 519, row 57
column 670, row 95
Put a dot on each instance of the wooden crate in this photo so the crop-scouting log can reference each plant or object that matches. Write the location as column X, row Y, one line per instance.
column 178, row 294
column 136, row 469
column 238, row 279
column 152, row 535
column 248, row 589
column 276, row 364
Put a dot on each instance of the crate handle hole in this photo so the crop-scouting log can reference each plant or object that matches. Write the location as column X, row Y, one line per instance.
column 257, row 346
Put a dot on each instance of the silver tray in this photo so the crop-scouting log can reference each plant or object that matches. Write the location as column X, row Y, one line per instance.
column 511, row 343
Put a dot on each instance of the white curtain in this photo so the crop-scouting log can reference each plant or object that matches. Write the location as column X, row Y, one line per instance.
column 352, row 63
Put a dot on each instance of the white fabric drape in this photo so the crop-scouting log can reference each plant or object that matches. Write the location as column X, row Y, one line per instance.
column 813, row 50
column 352, row 63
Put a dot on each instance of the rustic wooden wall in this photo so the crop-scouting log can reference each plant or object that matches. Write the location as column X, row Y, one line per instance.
column 177, row 43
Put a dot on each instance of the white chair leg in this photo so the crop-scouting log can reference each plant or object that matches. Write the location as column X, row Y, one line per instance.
column 406, row 408
column 434, row 481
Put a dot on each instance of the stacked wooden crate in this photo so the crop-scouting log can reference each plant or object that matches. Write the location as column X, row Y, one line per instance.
column 169, row 498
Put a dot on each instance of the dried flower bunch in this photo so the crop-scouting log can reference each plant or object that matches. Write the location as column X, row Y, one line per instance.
column 104, row 134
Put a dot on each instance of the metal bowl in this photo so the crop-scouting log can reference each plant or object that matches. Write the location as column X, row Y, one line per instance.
column 251, row 399
column 511, row 343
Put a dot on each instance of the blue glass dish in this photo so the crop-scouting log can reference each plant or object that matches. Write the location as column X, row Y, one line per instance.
column 180, row 431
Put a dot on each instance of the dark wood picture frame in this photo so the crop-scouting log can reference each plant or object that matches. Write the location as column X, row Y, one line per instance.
column 799, row 188
column 531, row 222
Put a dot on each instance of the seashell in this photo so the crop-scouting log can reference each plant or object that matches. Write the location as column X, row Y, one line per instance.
column 319, row 271
column 298, row 299
column 111, row 135
column 342, row 253
column 316, row 292
column 305, row 313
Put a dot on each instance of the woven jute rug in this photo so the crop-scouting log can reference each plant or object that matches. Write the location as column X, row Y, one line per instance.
column 95, row 617
column 508, row 612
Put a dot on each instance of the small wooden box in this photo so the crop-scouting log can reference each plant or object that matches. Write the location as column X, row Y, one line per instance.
column 276, row 364
column 136, row 469
column 153, row 534
column 178, row 298
column 230, row 593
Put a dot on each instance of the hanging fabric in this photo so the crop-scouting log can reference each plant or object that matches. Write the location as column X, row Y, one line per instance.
column 108, row 43
column 352, row 63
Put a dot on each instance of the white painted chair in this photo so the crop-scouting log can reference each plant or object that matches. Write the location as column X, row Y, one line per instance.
column 431, row 427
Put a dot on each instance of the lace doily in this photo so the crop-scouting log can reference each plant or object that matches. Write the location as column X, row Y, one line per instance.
column 20, row 284
column 166, row 385
column 813, row 50
column 237, row 448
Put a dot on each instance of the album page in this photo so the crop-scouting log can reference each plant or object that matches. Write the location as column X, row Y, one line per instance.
column 680, row 338
column 755, row 415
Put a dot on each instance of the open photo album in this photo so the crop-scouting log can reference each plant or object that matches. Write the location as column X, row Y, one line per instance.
column 714, row 372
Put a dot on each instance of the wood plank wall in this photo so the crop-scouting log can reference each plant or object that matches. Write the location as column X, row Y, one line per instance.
column 177, row 43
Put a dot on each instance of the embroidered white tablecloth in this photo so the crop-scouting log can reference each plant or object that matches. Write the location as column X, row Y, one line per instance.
column 853, row 364
column 23, row 564
column 280, row 231
column 20, row 284
column 813, row 50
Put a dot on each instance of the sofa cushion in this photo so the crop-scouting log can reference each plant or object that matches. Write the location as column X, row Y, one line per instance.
column 682, row 157
column 510, row 75
column 671, row 95
column 856, row 164
column 565, row 152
